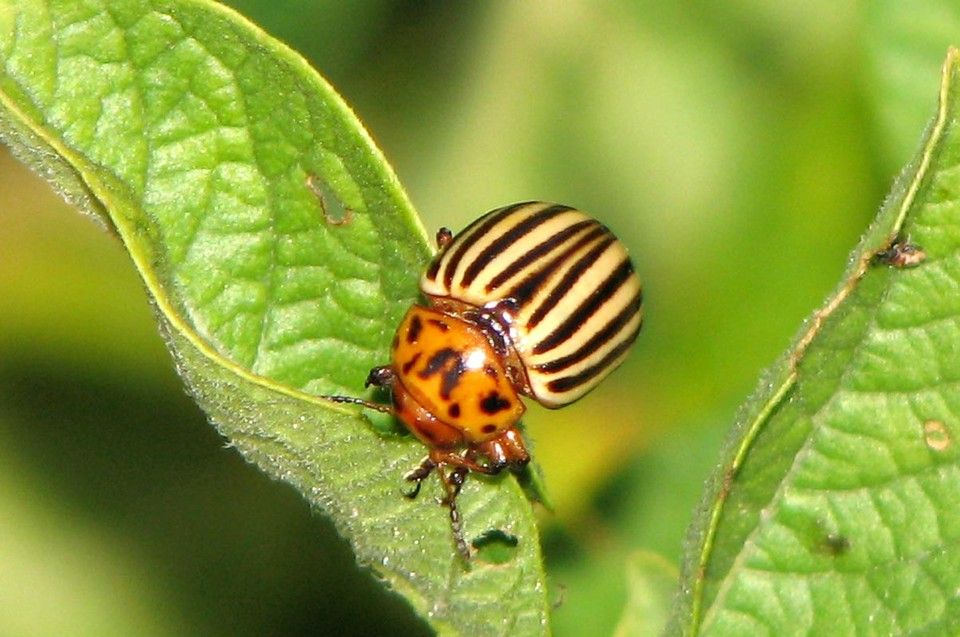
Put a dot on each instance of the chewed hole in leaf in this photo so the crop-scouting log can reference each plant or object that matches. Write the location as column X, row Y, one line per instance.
column 331, row 208
column 495, row 547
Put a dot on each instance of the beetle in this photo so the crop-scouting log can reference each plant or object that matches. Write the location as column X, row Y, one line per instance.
column 533, row 299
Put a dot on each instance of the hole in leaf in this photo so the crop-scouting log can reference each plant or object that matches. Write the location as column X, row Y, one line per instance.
column 495, row 547
column 332, row 209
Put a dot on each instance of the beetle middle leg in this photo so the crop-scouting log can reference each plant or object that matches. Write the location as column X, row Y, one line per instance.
column 452, row 484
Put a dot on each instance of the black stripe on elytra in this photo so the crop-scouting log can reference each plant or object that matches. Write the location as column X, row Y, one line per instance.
column 538, row 252
column 508, row 238
column 471, row 235
column 570, row 279
column 523, row 291
column 448, row 361
column 435, row 264
column 597, row 340
column 416, row 325
column 567, row 383
column 587, row 308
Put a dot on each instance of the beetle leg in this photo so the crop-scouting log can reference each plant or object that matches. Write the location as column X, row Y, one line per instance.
column 506, row 450
column 457, row 477
column 444, row 237
column 467, row 461
column 380, row 377
column 418, row 475
column 452, row 484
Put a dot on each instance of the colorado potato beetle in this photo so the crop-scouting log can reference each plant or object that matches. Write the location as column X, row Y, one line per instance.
column 532, row 299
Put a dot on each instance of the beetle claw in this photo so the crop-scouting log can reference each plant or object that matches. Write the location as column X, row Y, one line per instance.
column 412, row 494
column 426, row 466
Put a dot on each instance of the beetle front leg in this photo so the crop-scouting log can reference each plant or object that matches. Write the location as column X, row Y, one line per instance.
column 383, row 376
column 418, row 475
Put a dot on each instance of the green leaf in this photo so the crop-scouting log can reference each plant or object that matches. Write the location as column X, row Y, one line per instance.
column 280, row 252
column 836, row 509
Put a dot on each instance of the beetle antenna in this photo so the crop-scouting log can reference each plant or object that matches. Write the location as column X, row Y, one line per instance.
column 351, row 400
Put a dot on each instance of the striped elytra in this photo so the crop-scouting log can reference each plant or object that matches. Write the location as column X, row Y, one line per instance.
column 536, row 299
column 565, row 286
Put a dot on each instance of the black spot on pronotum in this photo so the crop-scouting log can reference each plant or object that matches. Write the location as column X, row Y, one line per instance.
column 451, row 377
column 410, row 363
column 493, row 403
column 440, row 358
column 488, row 428
column 448, row 361
column 443, row 326
column 416, row 325
column 454, row 410
column 495, row 546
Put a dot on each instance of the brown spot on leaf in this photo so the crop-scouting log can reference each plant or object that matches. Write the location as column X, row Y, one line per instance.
column 936, row 436
column 836, row 544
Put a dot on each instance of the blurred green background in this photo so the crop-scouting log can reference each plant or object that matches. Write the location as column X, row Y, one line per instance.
column 739, row 148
